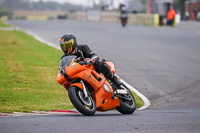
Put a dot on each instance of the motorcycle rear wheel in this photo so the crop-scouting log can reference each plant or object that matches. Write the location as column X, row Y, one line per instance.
column 86, row 106
column 127, row 106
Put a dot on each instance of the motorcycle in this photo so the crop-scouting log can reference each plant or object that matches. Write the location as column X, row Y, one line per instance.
column 124, row 16
column 90, row 91
column 123, row 21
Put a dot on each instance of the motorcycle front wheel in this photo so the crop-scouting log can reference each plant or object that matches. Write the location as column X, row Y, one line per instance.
column 127, row 104
column 84, row 105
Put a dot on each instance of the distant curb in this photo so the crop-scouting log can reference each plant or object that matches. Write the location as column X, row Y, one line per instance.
column 39, row 39
column 52, row 112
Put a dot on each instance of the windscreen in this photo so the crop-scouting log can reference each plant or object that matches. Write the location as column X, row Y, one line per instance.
column 65, row 61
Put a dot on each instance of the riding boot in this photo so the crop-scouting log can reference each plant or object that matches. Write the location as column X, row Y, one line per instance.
column 104, row 68
column 116, row 81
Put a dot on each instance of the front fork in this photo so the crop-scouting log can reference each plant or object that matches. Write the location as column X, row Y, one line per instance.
column 81, row 85
column 84, row 89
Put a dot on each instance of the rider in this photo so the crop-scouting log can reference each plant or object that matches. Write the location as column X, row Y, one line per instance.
column 124, row 16
column 69, row 46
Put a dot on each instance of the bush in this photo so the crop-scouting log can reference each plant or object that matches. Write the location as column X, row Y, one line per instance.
column 5, row 12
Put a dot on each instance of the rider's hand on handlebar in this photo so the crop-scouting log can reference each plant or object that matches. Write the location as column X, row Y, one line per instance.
column 89, row 61
column 85, row 62
column 81, row 62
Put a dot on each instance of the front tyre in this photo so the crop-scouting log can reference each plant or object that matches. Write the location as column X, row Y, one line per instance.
column 127, row 102
column 86, row 106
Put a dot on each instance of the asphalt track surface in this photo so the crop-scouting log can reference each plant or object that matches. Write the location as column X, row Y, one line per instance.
column 163, row 63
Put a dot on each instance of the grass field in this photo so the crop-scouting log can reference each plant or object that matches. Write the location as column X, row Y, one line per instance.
column 28, row 71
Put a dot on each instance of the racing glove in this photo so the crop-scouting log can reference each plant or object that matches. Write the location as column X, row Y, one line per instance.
column 89, row 61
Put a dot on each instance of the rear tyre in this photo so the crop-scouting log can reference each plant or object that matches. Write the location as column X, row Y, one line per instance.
column 127, row 106
column 86, row 106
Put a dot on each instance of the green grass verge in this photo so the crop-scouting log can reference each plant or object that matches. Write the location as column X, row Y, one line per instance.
column 139, row 102
column 28, row 70
column 2, row 24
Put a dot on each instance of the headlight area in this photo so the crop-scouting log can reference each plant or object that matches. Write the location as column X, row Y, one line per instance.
column 106, row 88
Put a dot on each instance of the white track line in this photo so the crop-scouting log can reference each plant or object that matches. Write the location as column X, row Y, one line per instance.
column 7, row 28
column 145, row 100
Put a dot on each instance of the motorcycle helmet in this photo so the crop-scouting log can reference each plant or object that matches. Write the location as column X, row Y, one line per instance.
column 123, row 9
column 68, row 43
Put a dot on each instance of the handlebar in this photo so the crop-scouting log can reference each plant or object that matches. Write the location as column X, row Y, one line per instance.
column 81, row 61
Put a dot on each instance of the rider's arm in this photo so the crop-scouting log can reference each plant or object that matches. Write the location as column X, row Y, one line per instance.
column 88, row 53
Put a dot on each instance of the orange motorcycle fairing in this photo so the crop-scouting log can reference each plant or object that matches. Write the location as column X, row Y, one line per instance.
column 103, row 91
column 61, row 80
column 86, row 73
column 104, row 100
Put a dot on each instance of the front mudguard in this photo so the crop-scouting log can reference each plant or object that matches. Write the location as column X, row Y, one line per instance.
column 78, row 84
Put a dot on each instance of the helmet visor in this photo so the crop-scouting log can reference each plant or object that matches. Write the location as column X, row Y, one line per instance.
column 66, row 46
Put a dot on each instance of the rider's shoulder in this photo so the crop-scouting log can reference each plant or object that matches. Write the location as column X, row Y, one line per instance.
column 63, row 55
column 82, row 46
